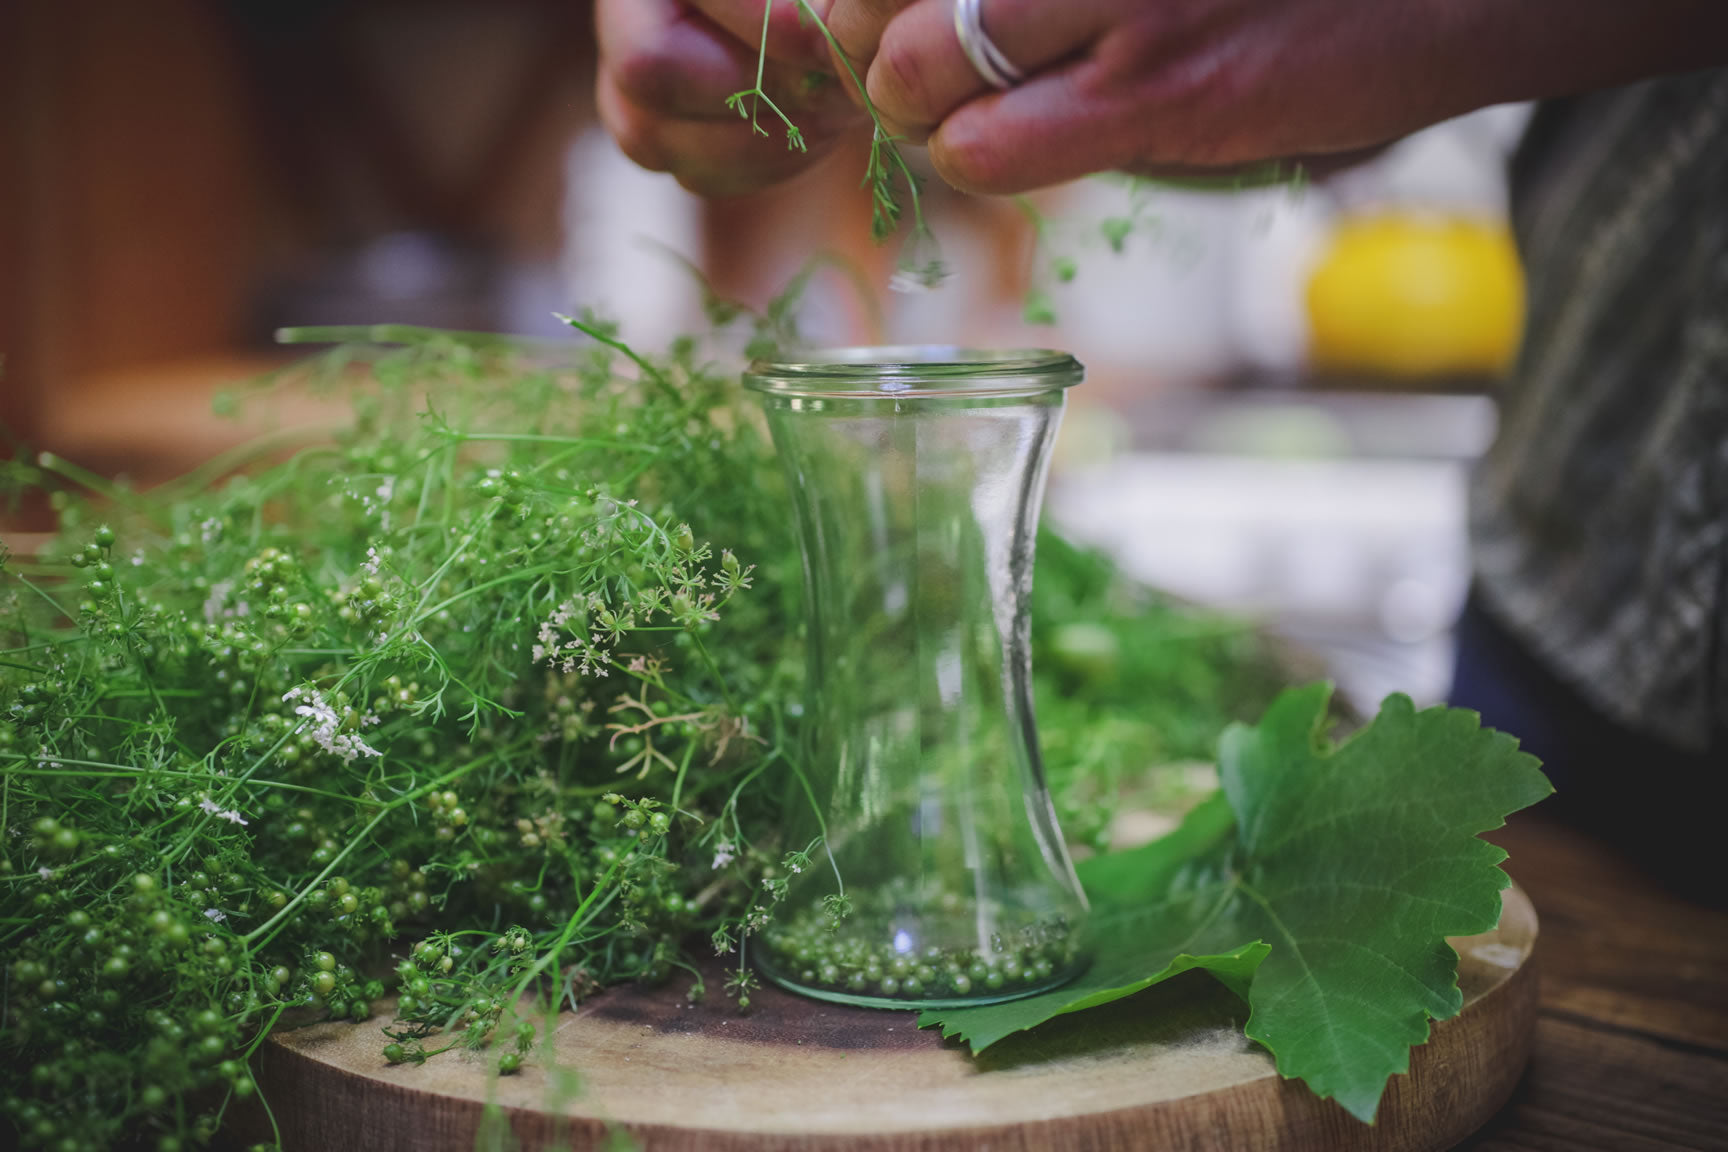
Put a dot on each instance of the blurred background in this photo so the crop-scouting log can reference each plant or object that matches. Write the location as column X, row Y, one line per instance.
column 1287, row 386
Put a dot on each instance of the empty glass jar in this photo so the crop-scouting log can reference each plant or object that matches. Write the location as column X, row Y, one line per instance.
column 939, row 876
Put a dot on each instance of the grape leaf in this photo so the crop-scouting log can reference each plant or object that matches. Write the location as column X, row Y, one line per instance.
column 1320, row 885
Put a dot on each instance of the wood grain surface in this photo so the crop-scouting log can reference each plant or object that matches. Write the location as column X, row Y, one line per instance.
column 1631, row 1051
column 1168, row 1068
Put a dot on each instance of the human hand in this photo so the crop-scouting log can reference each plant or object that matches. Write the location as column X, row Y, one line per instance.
column 1191, row 87
column 667, row 68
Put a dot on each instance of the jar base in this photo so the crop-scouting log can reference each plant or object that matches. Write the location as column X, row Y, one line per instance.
column 905, row 1003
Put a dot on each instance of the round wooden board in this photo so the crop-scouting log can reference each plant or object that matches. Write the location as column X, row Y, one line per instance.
column 1167, row 1068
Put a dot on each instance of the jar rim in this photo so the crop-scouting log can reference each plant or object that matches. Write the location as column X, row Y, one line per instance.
column 900, row 371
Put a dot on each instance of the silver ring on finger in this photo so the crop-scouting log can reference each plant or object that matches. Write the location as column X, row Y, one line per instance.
column 996, row 69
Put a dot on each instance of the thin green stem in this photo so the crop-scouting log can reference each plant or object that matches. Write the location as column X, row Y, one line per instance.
column 422, row 615
column 410, row 334
column 94, row 769
column 576, row 920
column 758, row 95
column 821, row 823
column 649, row 371
column 52, row 603
column 880, row 137
column 224, row 463
column 678, row 781
column 109, row 490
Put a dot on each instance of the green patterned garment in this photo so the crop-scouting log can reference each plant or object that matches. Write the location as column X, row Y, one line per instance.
column 1600, row 517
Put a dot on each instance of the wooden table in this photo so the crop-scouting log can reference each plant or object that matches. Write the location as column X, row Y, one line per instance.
column 1630, row 1048
column 1632, row 1034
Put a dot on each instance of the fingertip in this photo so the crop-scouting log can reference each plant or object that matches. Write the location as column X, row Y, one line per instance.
column 1050, row 130
column 679, row 70
column 627, row 126
column 857, row 25
column 900, row 85
column 973, row 158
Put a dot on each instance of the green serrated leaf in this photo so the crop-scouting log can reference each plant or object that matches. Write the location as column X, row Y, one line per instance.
column 1322, row 884
column 1151, row 908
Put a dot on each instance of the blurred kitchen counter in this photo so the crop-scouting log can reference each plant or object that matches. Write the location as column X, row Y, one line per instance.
column 155, row 421
column 1336, row 519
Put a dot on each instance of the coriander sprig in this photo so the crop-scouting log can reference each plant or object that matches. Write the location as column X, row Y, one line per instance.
column 886, row 170
column 921, row 265
column 757, row 96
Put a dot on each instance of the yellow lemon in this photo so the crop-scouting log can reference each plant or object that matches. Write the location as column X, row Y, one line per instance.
column 1408, row 294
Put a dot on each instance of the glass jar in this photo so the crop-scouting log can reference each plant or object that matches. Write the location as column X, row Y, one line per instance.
column 938, row 875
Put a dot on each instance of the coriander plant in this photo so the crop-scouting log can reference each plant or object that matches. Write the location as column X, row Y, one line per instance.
column 486, row 703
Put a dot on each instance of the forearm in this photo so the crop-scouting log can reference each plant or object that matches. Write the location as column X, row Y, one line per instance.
column 1508, row 50
column 1210, row 84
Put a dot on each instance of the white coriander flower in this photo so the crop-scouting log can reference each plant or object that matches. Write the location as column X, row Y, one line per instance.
column 322, row 724
column 217, row 600
column 221, row 813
